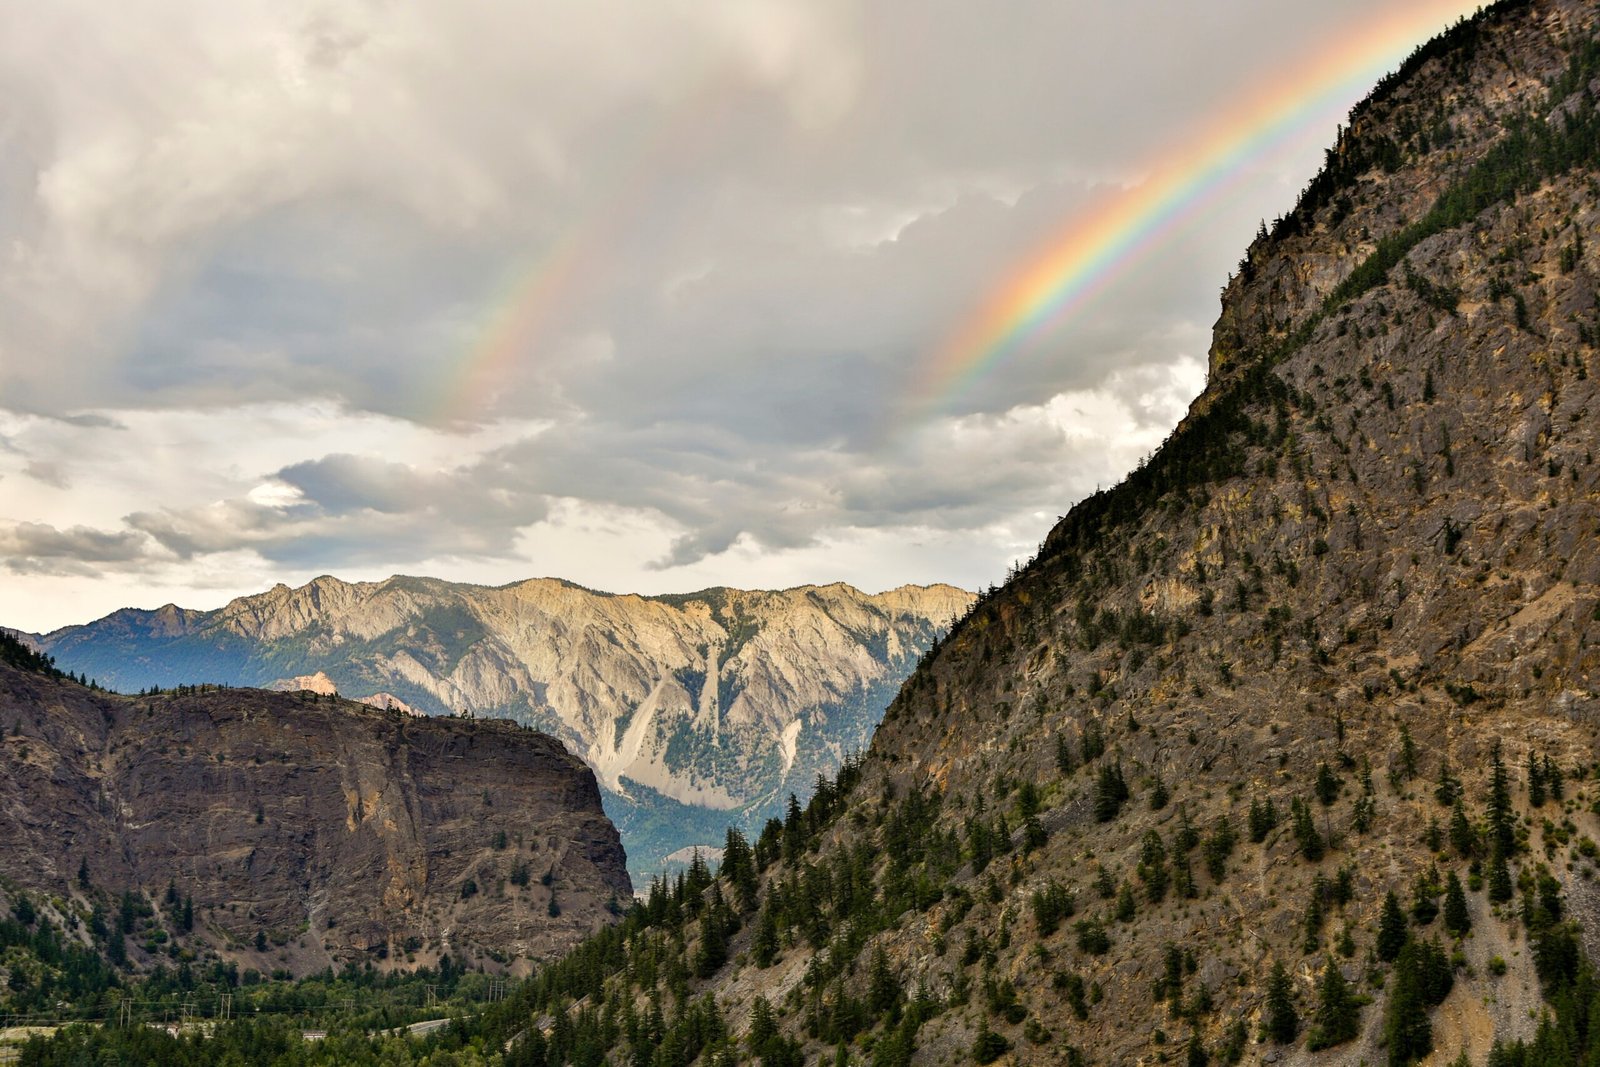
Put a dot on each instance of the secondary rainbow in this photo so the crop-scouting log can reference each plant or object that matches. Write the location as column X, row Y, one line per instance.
column 1097, row 247
column 521, row 314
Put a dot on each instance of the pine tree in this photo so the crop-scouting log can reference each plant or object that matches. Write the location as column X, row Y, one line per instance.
column 1554, row 781
column 1110, row 793
column 1363, row 813
column 1502, row 829
column 1282, row 1021
column 1338, row 1014
column 1448, row 791
column 1406, row 1029
column 883, row 988
column 1392, row 930
column 1408, row 752
column 1463, row 838
column 1501, row 889
column 1457, row 920
column 1327, row 787
column 1153, row 867
column 764, row 944
column 1066, row 759
column 763, row 1027
column 1263, row 818
column 1127, row 906
column 1310, row 840
column 739, row 866
column 1315, row 917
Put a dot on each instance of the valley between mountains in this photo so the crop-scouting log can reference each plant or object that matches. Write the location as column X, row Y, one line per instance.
column 694, row 711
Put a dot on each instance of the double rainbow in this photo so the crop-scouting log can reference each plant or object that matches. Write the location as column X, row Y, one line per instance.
column 1098, row 246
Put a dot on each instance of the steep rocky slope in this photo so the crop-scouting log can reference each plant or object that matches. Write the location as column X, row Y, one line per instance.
column 694, row 710
column 1336, row 640
column 298, row 831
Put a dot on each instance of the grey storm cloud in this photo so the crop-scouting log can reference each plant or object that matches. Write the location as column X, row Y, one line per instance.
column 696, row 260
column 353, row 510
column 34, row 548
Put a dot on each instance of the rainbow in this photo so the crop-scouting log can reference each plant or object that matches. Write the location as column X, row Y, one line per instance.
column 540, row 286
column 1101, row 244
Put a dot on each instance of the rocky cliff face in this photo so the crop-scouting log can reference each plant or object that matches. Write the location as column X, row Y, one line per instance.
column 694, row 710
column 1240, row 698
column 305, row 831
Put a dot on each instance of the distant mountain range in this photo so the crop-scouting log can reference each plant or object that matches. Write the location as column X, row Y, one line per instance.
column 694, row 711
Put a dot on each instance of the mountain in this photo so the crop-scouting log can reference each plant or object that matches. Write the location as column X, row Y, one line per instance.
column 693, row 710
column 1283, row 749
column 299, row 831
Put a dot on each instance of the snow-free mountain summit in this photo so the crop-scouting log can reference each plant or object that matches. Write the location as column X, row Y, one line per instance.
column 694, row 710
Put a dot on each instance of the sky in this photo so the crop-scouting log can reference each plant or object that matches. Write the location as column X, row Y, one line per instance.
column 649, row 296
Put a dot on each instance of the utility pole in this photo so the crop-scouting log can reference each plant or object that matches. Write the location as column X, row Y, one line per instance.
column 224, row 1006
column 125, row 1013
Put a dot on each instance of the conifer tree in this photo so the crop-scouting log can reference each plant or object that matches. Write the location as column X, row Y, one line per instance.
column 1406, row 1029
column 1338, row 1014
column 1554, row 781
column 1066, row 759
column 1153, row 867
column 1408, row 752
column 1282, row 1023
column 1127, row 907
column 1392, row 930
column 1457, row 919
column 1263, row 817
column 883, row 988
column 1448, row 791
column 1312, row 846
column 1501, row 825
column 1463, row 838
column 1110, row 793
column 1327, row 787
column 764, row 944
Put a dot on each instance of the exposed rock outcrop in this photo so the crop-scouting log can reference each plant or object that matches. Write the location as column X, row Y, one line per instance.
column 306, row 831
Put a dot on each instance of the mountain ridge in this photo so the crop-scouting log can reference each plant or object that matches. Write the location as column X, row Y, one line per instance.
column 801, row 675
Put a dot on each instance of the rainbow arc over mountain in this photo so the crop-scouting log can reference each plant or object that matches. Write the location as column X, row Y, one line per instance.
column 1099, row 245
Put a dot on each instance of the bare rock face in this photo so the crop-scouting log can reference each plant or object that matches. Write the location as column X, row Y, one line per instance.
column 1366, row 563
column 307, row 831
column 694, row 711
column 1371, row 547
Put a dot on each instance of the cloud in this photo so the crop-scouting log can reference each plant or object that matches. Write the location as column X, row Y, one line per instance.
column 38, row 548
column 374, row 286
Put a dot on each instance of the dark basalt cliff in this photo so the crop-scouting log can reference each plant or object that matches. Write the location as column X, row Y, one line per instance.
column 306, row 831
